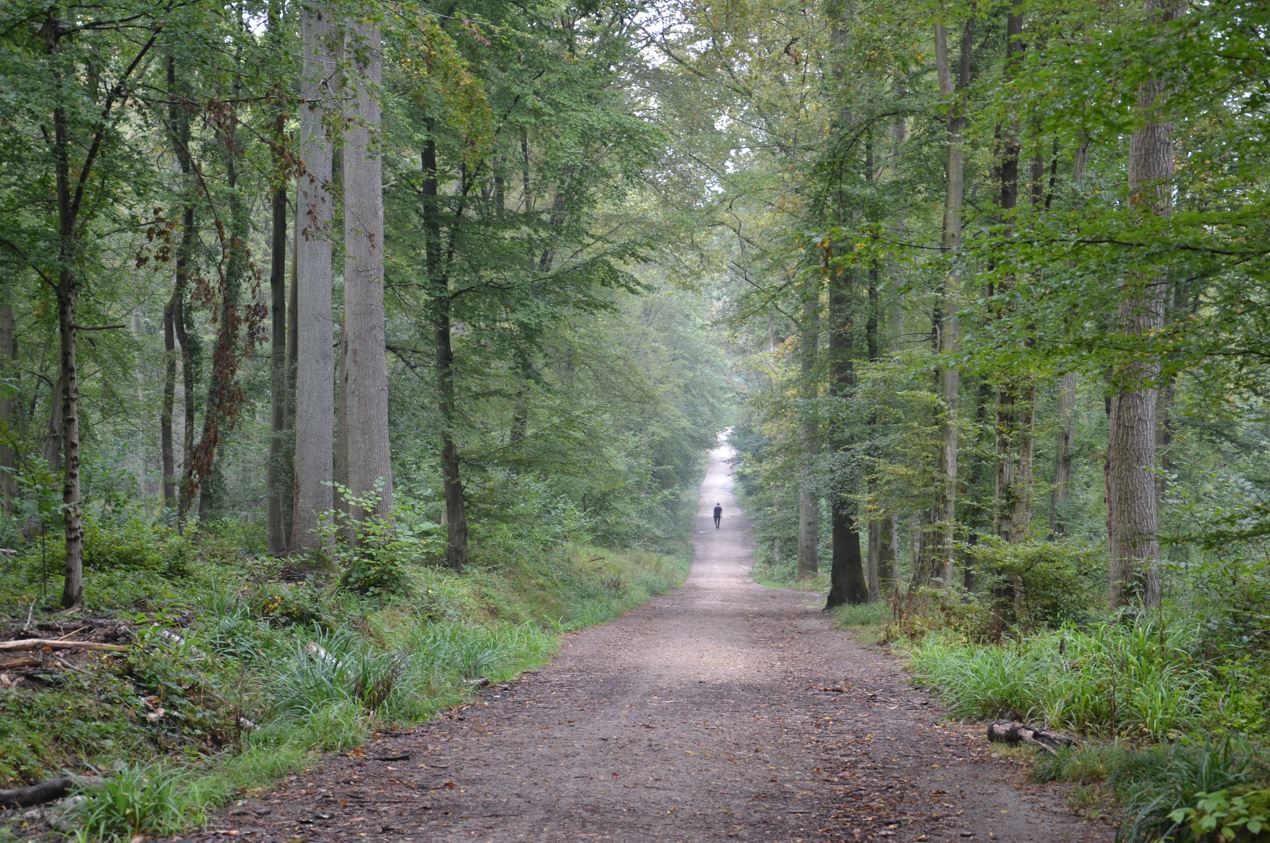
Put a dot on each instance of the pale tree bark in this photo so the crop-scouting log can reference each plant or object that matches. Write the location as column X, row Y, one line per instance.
column 950, row 294
column 315, row 357
column 1132, row 517
column 809, row 436
column 366, row 399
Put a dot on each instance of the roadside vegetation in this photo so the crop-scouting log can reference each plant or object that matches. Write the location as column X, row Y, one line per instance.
column 237, row 669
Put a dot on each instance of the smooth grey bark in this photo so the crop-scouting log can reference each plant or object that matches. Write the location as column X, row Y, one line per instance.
column 1132, row 516
column 314, row 357
column 366, row 361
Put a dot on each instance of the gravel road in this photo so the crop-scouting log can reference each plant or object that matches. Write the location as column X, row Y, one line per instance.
column 722, row 711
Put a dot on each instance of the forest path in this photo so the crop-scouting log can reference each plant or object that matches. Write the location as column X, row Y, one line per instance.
column 724, row 710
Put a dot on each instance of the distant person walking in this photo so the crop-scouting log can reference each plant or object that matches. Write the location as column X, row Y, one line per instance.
column 718, row 514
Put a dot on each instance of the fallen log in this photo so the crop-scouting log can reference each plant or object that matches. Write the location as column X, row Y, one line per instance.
column 20, row 661
column 36, row 794
column 1011, row 732
column 57, row 644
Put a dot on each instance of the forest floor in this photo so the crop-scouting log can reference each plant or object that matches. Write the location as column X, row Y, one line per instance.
column 724, row 710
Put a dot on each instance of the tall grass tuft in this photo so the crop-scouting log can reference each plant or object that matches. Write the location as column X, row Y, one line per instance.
column 1140, row 680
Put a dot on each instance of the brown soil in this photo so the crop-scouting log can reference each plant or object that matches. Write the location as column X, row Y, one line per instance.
column 722, row 711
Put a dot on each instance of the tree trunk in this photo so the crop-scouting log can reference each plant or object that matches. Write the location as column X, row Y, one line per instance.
column 204, row 473
column 1016, row 393
column 847, row 583
column 950, row 294
column 366, row 405
column 1062, row 491
column 8, row 406
column 808, row 493
column 67, row 298
column 315, row 359
column 846, row 575
column 278, row 470
column 1132, row 518
column 456, row 555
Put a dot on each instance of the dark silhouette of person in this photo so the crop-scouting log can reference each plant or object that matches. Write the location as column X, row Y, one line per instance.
column 718, row 514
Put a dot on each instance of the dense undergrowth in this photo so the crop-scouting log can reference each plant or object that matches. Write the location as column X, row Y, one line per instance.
column 1172, row 707
column 240, row 670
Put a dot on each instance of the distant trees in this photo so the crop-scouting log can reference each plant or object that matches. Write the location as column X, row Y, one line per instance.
column 483, row 166
column 1023, row 238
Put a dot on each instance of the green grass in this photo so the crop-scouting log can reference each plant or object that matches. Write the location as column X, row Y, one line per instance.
column 1150, row 782
column 314, row 667
column 1140, row 680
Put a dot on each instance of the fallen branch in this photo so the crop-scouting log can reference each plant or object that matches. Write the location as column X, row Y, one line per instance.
column 1008, row 731
column 36, row 794
column 20, row 661
column 58, row 644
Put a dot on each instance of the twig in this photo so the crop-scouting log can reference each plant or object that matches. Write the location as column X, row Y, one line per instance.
column 58, row 644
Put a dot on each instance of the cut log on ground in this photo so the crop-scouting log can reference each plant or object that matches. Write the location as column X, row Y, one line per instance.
column 1008, row 731
column 57, row 644
column 36, row 794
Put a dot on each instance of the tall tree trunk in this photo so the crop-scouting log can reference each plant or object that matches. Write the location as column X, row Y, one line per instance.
column 456, row 555
column 1016, row 392
column 950, row 294
column 846, row 575
column 314, row 358
column 1132, row 518
column 277, row 480
column 1061, row 493
column 808, row 492
column 204, row 473
column 873, row 561
column 369, row 456
column 67, row 298
column 847, row 582
column 8, row 406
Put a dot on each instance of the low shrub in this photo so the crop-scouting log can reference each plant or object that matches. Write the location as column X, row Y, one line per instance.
column 1184, row 793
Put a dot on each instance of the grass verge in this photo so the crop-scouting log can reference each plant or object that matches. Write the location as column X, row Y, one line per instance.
column 242, row 677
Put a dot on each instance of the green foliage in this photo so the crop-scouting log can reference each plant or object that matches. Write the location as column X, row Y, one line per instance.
column 314, row 665
column 1058, row 581
column 1222, row 815
column 1165, row 789
column 1139, row 679
column 374, row 553
column 135, row 799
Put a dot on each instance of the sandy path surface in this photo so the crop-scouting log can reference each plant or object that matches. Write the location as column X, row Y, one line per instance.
column 722, row 711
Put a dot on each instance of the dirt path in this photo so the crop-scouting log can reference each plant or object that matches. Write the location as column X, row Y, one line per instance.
column 722, row 711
